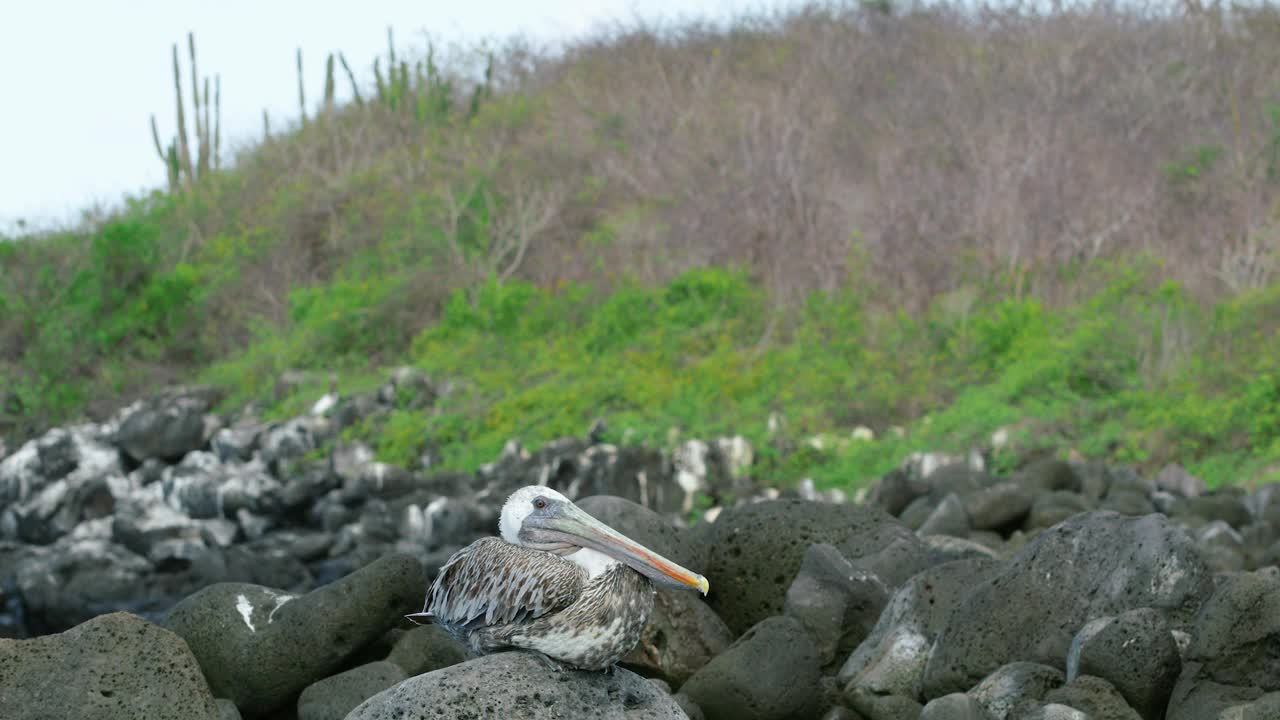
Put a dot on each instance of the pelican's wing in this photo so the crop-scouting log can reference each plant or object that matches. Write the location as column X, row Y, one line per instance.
column 494, row 582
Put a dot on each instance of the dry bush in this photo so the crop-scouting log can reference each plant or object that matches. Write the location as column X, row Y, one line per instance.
column 939, row 147
column 916, row 154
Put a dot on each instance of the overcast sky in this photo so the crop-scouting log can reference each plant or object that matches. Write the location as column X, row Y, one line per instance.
column 82, row 78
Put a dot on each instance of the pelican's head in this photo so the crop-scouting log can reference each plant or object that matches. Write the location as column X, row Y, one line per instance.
column 540, row 518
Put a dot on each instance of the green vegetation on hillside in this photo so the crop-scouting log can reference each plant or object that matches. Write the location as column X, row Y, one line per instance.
column 1116, row 376
column 699, row 228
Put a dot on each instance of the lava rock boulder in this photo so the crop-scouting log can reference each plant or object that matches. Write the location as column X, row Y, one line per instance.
column 519, row 685
column 771, row 673
column 112, row 667
column 1093, row 565
column 755, row 551
column 258, row 646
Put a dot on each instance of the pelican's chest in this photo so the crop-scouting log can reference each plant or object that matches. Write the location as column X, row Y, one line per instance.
column 620, row 593
column 604, row 624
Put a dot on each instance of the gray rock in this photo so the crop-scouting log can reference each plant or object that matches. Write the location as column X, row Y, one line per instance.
column 1090, row 566
column 435, row 523
column 519, row 685
column 1001, row 692
column 1126, row 479
column 348, row 461
column 1195, row 697
column 236, row 442
column 20, row 474
column 306, row 484
column 1167, row 503
column 639, row 474
column 900, row 556
column 1126, row 501
column 112, row 667
column 1096, row 697
column 1258, row 536
column 756, row 549
column 143, row 523
column 918, row 512
column 409, row 387
column 1095, row 479
column 227, row 710
column 1226, row 504
column 57, row 481
column 363, row 476
column 1173, row 478
column 1222, row 546
column 219, row 532
column 1237, row 632
column 57, row 453
column 191, row 487
column 837, row 603
column 426, row 648
column 1051, row 508
column 43, row 518
column 1050, row 476
column 682, row 636
column 944, row 549
column 167, row 426
column 289, row 440
column 1054, row 711
column 62, row 586
column 259, row 646
column 892, row 658
column 948, row 518
column 959, row 478
column 718, row 469
column 356, row 408
column 268, row 562
column 1264, row 708
column 1135, row 652
column 895, row 491
column 999, row 506
column 772, row 671
column 337, row 695
column 689, row 707
column 884, row 707
column 956, row 706
column 248, row 486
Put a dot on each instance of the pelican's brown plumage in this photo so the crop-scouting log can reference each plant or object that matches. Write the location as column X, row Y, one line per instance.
column 558, row 582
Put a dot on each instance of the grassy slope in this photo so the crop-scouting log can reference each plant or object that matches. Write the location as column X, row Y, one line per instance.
column 390, row 234
column 1110, row 377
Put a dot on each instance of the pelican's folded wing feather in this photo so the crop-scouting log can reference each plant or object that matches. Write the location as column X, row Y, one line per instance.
column 493, row 582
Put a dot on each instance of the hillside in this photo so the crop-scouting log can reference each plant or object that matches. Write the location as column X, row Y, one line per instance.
column 933, row 224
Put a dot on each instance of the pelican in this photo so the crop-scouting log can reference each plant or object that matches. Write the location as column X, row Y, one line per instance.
column 558, row 582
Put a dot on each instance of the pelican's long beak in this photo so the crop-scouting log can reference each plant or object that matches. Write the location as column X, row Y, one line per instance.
column 590, row 532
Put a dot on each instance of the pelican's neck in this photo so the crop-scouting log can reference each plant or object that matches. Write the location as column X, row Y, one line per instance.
column 593, row 561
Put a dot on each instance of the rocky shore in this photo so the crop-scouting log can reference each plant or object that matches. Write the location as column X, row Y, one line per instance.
column 174, row 563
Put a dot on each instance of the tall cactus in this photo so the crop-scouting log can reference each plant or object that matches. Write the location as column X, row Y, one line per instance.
column 302, row 96
column 184, row 148
column 355, row 87
column 180, row 170
column 380, row 84
column 328, row 86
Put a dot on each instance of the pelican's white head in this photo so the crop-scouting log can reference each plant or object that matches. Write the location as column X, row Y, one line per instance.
column 520, row 505
column 540, row 518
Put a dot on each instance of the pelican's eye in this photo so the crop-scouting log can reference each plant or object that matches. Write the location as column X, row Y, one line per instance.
column 540, row 503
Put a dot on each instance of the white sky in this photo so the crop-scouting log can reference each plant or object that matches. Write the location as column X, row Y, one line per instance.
column 81, row 79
